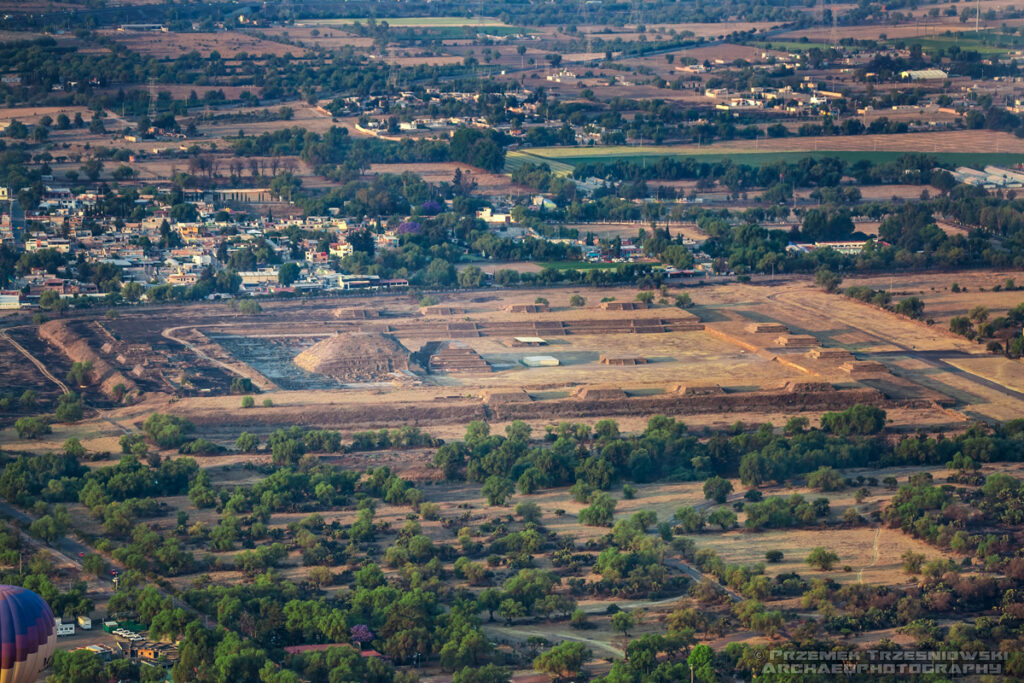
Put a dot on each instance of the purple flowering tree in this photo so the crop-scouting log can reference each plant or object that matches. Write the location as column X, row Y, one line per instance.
column 360, row 634
column 430, row 208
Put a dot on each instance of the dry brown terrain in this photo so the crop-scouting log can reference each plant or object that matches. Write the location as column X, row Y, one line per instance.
column 172, row 45
column 932, row 378
column 327, row 38
column 488, row 183
column 700, row 30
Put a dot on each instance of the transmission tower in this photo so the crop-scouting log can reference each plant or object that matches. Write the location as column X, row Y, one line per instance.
column 152, row 101
column 585, row 21
column 832, row 30
column 637, row 13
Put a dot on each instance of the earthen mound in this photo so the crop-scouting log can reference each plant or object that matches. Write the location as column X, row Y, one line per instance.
column 355, row 357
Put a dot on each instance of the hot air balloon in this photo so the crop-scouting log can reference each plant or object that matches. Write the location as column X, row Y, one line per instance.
column 28, row 635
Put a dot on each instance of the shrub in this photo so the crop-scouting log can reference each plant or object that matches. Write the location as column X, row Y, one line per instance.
column 242, row 385
column 579, row 620
column 248, row 402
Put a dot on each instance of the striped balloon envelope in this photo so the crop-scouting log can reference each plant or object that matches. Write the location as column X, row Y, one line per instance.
column 28, row 635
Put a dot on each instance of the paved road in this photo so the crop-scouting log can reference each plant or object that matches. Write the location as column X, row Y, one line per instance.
column 66, row 547
column 70, row 548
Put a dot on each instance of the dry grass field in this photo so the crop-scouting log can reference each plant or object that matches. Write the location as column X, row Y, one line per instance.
column 173, row 45
column 309, row 36
column 873, row 553
column 925, row 27
column 487, row 183
column 728, row 53
column 31, row 115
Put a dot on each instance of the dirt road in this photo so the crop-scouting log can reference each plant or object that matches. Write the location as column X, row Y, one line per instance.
column 35, row 361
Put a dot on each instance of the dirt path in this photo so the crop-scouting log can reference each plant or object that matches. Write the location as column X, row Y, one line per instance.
column 874, row 558
column 565, row 635
column 865, row 322
column 257, row 378
column 35, row 361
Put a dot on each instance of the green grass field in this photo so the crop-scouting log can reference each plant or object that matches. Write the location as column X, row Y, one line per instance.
column 558, row 158
column 409, row 22
column 987, row 43
column 515, row 159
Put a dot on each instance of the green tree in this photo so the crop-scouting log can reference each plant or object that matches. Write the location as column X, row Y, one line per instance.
column 80, row 373
column 912, row 561
column 247, row 442
column 622, row 622
column 470, row 277
column 50, row 300
column 911, row 307
column 77, row 666
column 287, row 273
column 69, row 408
column 488, row 673
column 529, row 511
column 94, row 564
column 717, row 489
column 827, row 280
column 510, row 610
column 74, row 448
column 31, row 427
column 28, row 399
column 439, row 273
column 131, row 291
column 496, row 490
column 564, row 660
column 722, row 517
column 825, row 479
column 822, row 558
column 701, row 663
column 249, row 307
column 600, row 512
